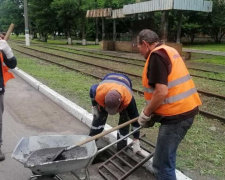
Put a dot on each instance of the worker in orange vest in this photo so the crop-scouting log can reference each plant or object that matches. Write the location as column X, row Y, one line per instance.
column 7, row 60
column 111, row 96
column 171, row 99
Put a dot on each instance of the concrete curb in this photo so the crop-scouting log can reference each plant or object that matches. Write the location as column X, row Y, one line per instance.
column 78, row 112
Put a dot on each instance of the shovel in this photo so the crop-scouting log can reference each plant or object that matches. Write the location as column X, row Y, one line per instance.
column 59, row 150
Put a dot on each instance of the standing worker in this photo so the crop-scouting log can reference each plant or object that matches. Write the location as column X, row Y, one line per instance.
column 111, row 96
column 171, row 97
column 7, row 61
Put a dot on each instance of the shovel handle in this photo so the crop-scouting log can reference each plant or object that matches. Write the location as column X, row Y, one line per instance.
column 103, row 133
column 11, row 27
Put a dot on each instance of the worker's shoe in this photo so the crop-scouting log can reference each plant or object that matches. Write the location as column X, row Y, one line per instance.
column 2, row 156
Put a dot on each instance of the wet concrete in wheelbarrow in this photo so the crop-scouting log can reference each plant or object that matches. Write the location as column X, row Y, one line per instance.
column 45, row 155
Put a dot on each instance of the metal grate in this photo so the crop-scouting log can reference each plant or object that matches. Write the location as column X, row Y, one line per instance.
column 124, row 162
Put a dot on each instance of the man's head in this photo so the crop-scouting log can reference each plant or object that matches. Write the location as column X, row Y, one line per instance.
column 147, row 40
column 112, row 102
column 2, row 35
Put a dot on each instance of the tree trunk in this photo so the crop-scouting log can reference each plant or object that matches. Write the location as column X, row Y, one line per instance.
column 103, row 28
column 96, row 38
column 84, row 41
column 114, row 29
column 69, row 39
column 44, row 37
column 192, row 38
column 35, row 35
column 179, row 27
column 164, row 26
column 220, row 39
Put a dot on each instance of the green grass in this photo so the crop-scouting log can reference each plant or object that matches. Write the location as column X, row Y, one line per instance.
column 56, row 42
column 70, row 84
column 217, row 60
column 202, row 150
column 209, row 47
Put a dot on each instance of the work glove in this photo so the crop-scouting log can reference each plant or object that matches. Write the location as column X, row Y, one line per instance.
column 95, row 112
column 136, row 146
column 145, row 121
column 6, row 49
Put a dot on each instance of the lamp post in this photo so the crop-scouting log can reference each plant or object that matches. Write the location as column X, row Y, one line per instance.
column 26, row 24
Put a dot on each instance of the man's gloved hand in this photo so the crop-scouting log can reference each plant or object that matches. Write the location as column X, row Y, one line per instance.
column 136, row 146
column 6, row 49
column 95, row 112
column 143, row 118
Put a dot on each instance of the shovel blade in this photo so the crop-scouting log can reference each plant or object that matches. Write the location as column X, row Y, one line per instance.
column 41, row 156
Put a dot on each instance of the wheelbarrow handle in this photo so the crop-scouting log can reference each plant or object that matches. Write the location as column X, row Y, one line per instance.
column 103, row 133
column 124, row 137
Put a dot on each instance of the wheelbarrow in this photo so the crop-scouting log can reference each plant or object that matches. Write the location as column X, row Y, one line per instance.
column 78, row 166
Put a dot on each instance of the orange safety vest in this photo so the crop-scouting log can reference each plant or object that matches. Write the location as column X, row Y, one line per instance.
column 107, row 85
column 182, row 95
column 5, row 71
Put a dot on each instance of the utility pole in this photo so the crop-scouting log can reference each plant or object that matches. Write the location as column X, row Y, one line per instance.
column 27, row 36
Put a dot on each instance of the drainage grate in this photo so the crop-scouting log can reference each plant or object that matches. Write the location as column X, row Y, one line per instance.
column 124, row 163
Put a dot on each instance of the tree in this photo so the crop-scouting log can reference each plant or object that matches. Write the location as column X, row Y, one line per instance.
column 68, row 13
column 42, row 17
column 216, row 22
column 11, row 11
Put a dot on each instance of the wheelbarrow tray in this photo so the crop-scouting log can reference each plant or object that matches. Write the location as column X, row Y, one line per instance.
column 28, row 145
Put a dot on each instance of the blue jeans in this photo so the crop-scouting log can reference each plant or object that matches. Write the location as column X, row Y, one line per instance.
column 170, row 136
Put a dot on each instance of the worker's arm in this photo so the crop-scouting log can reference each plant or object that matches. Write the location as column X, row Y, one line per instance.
column 158, row 97
column 92, row 94
column 10, row 63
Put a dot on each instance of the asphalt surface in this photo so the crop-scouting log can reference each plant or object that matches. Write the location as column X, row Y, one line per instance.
column 28, row 113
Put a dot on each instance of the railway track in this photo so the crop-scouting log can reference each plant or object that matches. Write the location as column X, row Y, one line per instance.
column 135, row 90
column 120, row 57
column 130, row 74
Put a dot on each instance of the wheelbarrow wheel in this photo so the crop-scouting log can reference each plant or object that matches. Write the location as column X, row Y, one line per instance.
column 42, row 177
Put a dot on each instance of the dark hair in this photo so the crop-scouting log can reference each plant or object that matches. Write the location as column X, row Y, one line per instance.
column 2, row 35
column 148, row 36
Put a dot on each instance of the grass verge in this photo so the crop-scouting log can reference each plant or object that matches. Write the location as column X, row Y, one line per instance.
column 210, row 47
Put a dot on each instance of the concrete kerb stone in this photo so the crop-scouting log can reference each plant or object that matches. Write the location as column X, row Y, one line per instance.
column 80, row 113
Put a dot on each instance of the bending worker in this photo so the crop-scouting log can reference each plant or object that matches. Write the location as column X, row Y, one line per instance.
column 171, row 97
column 7, row 61
column 111, row 96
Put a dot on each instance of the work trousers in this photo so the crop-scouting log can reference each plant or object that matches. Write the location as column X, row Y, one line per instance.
column 169, row 137
column 130, row 112
column 1, row 113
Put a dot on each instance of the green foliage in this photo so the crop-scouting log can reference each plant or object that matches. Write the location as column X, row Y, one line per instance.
column 42, row 17
column 216, row 23
column 11, row 12
column 68, row 17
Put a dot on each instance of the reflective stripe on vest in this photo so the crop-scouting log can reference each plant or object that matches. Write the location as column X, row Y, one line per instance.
column 120, row 78
column 178, row 97
column 117, row 82
column 171, row 84
column 5, row 71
